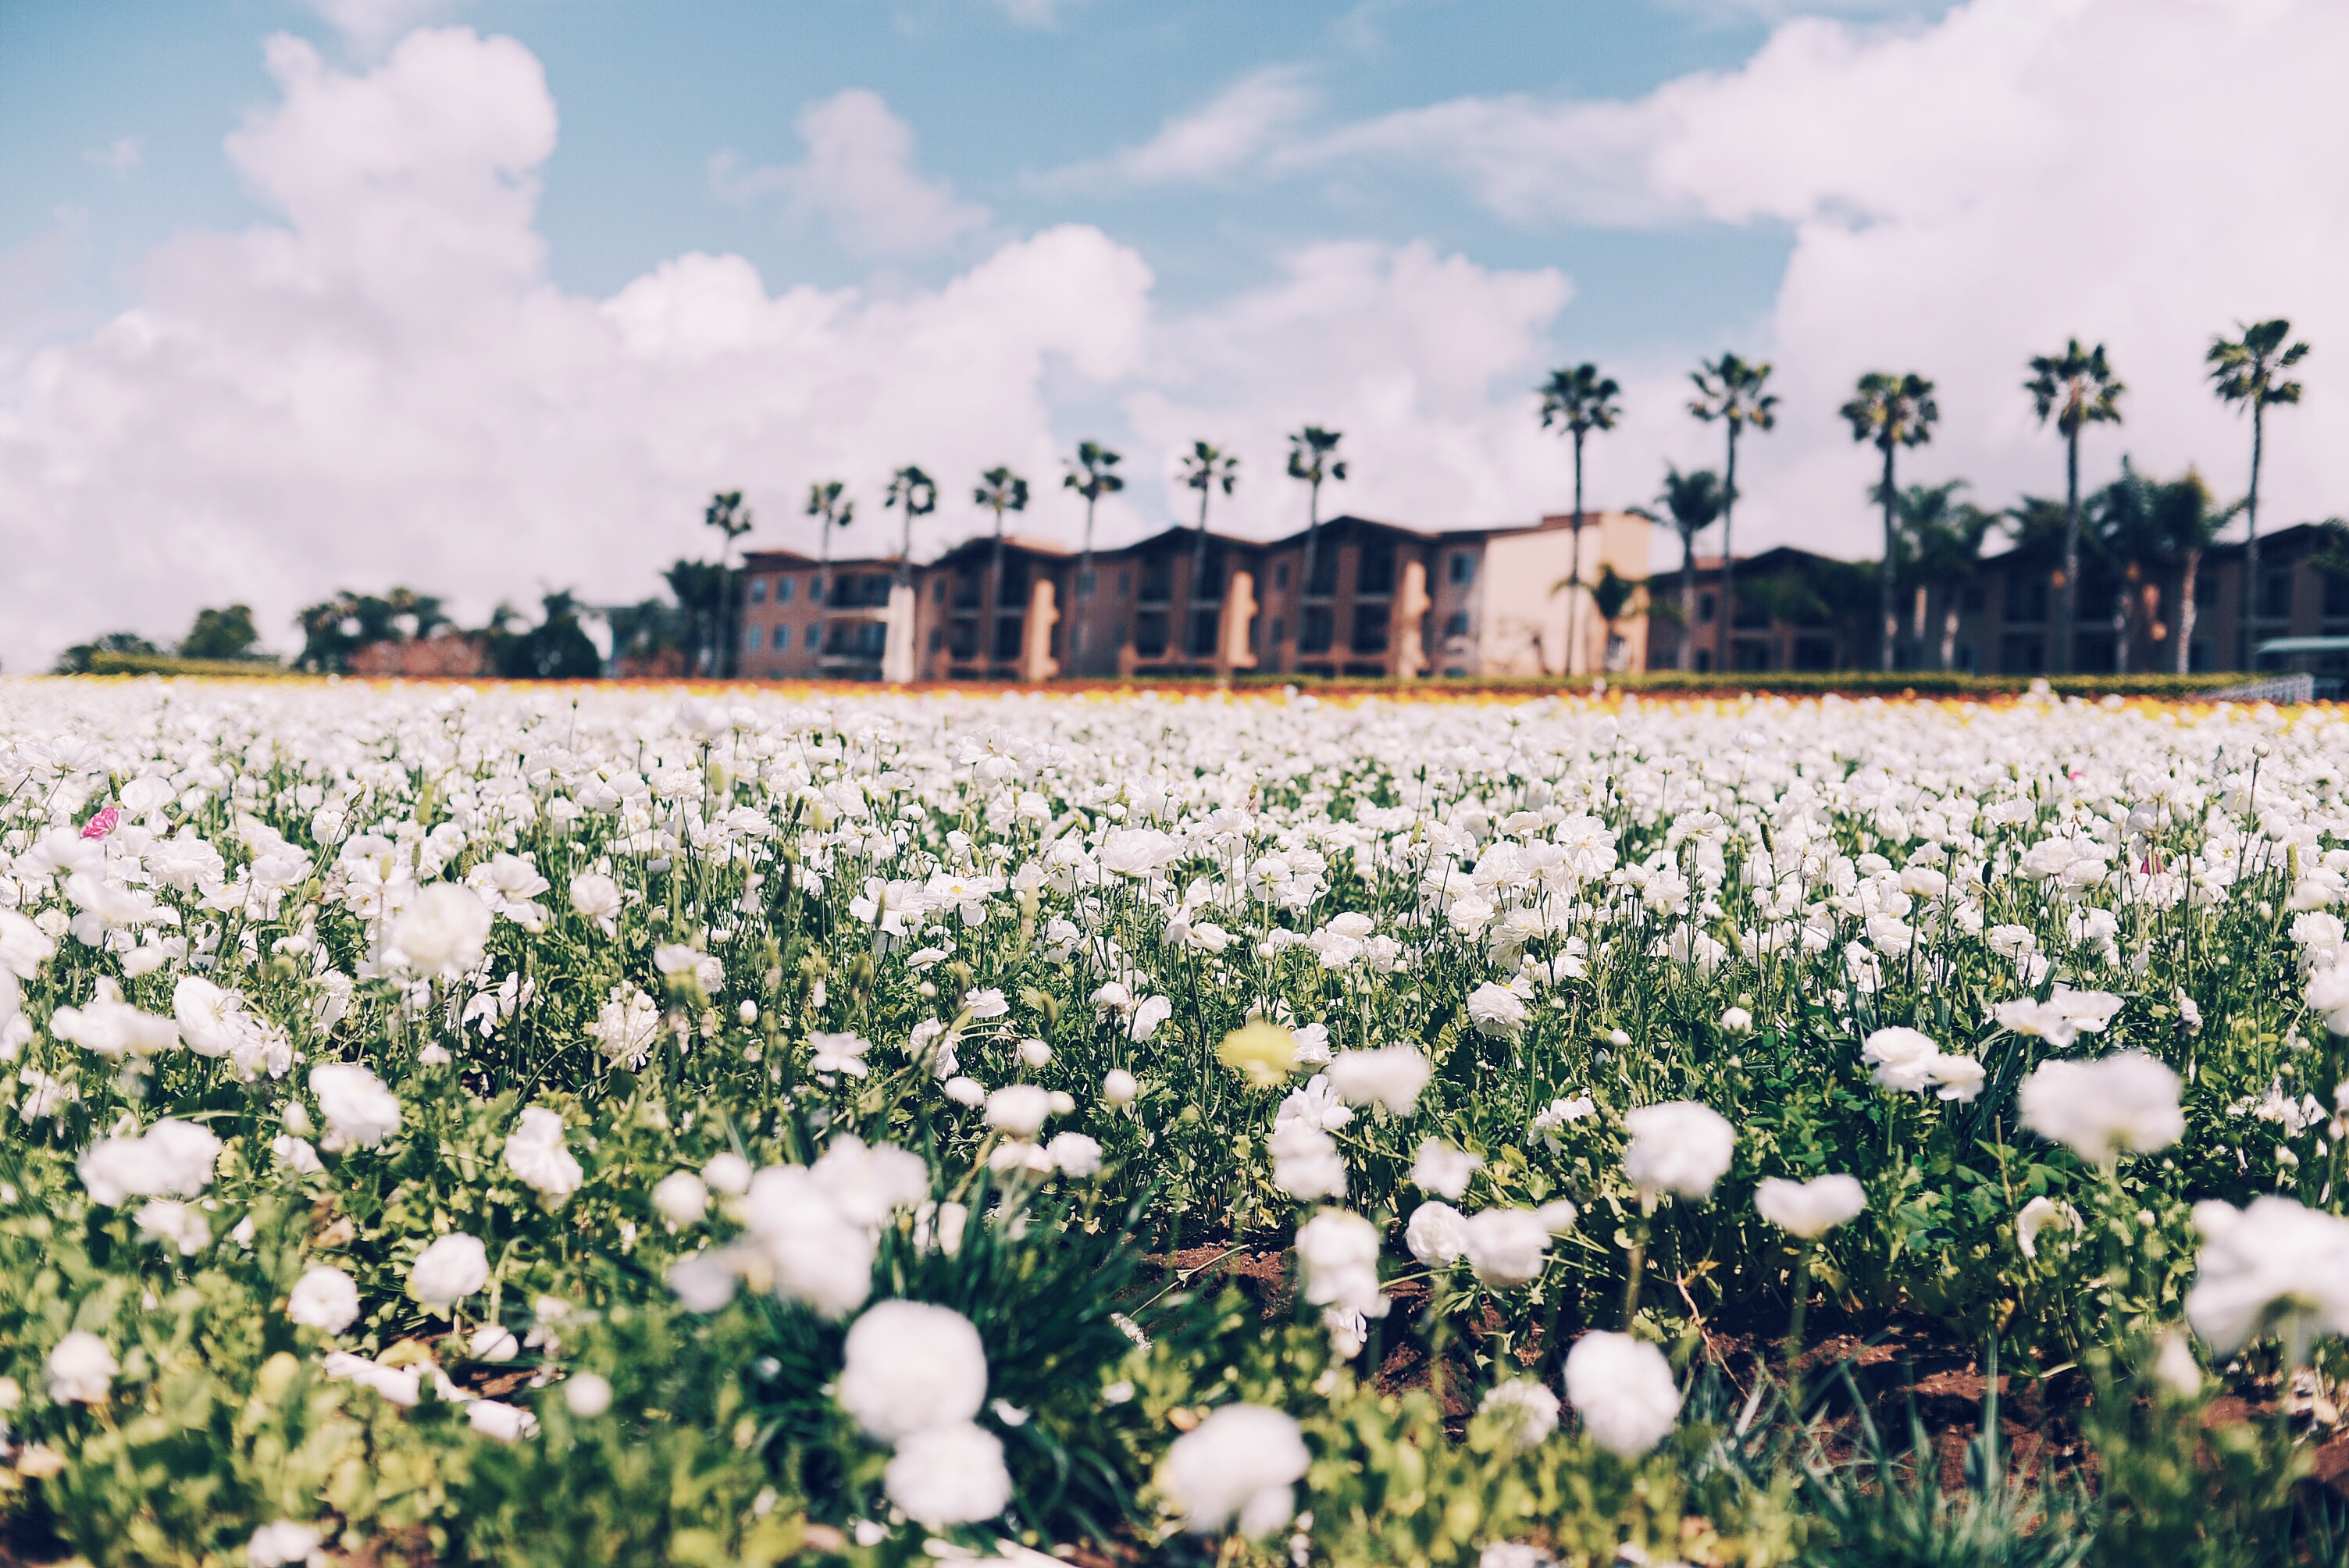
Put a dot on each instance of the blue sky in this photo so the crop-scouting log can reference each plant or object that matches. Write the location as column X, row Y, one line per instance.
column 299, row 297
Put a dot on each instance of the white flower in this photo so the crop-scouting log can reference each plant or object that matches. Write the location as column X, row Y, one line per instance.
column 112, row 1027
column 597, row 897
column 534, row 1152
column 729, row 1173
column 1148, row 1015
column 1075, row 1154
column 174, row 1158
column 2125, row 1101
column 1495, row 1010
column 443, row 930
column 1391, row 1076
column 360, row 1111
column 586, row 1394
column 499, row 1421
column 910, row 1367
column 2273, row 1267
column 2036, row 1216
column 1903, row 1058
column 1018, row 1109
column 952, row 1474
column 326, row 1298
column 816, row 1254
column 1437, row 1234
column 24, row 946
column 1508, row 1246
column 1680, row 1147
column 1810, row 1209
column 1240, row 1465
column 868, row 1183
column 282, row 1544
column 176, row 1224
column 1622, row 1387
column 1443, row 1170
column 1338, row 1252
column 681, row 1198
column 625, row 1026
column 1736, row 1021
column 1306, row 1164
column 1526, row 1410
column 452, row 1268
column 80, row 1369
column 1119, row 1089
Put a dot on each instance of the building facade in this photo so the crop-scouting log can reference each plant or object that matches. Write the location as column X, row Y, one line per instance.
column 1354, row 598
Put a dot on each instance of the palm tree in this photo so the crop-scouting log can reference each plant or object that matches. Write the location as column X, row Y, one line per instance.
column 2243, row 370
column 1610, row 596
column 1730, row 390
column 1093, row 476
column 2185, row 520
column 1945, row 537
column 916, row 495
column 1692, row 503
column 2128, row 530
column 727, row 514
column 830, row 508
column 1891, row 412
column 1577, row 400
column 1312, row 457
column 1205, row 468
column 2076, row 388
column 999, row 491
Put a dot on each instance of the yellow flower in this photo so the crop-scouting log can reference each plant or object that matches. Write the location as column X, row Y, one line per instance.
column 1263, row 1052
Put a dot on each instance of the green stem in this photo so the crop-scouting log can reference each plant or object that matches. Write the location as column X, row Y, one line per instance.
column 1795, row 1334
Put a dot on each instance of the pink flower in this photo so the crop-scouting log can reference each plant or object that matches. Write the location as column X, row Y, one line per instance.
column 98, row 827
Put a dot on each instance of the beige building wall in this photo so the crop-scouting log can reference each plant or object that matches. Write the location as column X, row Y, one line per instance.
column 1525, row 607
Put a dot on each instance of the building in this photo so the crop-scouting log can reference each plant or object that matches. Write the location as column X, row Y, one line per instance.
column 1377, row 601
column 1787, row 609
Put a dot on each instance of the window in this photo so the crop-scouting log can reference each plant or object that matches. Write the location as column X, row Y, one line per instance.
column 966, row 591
column 782, row 639
column 1456, row 625
column 1463, row 568
column 1084, row 591
column 1375, row 572
column 1158, row 579
column 817, row 589
column 1007, row 636
column 757, row 590
column 938, row 638
column 1124, row 583
column 1314, row 632
column 963, row 639
column 1324, row 579
column 2275, row 594
column 1279, row 630
column 785, row 587
column 1705, row 609
column 750, row 638
column 2336, row 594
column 1202, row 633
column 1371, row 629
column 2206, row 589
column 2026, row 601
column 1969, row 600
column 1150, row 633
column 1280, row 580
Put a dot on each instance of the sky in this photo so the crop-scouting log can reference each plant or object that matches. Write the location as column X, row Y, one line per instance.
column 486, row 297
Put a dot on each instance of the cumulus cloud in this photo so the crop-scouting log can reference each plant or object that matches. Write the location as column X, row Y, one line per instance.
column 1964, row 194
column 122, row 156
column 859, row 176
column 367, row 25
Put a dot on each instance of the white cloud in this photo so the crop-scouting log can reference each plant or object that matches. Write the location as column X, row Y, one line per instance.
column 125, row 154
column 1034, row 13
column 859, row 176
column 1963, row 195
column 1255, row 117
column 367, row 25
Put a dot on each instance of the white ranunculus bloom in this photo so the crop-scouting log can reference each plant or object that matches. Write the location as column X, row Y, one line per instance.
column 1680, row 1148
column 908, row 1366
column 951, row 1474
column 1018, row 1109
column 1810, row 1209
column 586, row 1394
column 535, row 1154
column 443, row 930
column 1237, row 1468
column 80, row 1369
column 326, row 1298
column 814, row 1254
column 1442, row 1169
column 1622, row 1388
column 1508, row 1246
column 2126, row 1102
column 2274, row 1267
column 1529, row 1410
column 360, row 1112
column 174, row 1158
column 452, row 1268
column 1437, row 1234
column 282, row 1544
column 1391, row 1075
column 1495, row 1010
column 681, row 1198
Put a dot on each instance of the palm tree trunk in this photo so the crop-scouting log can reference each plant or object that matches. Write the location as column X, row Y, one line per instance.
column 1574, row 592
column 1949, row 632
column 1312, row 539
column 994, row 600
column 2067, row 617
column 2121, row 627
column 2187, row 584
column 1688, row 600
column 2251, row 539
column 1890, row 630
column 1198, row 574
column 1721, row 660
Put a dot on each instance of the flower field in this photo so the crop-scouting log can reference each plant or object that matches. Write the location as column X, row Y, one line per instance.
column 551, row 1125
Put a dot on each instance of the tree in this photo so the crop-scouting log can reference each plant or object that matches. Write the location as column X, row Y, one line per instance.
column 1206, row 467
column 732, row 519
column 77, row 660
column 999, row 491
column 1577, row 400
column 2185, row 520
column 334, row 631
column 557, row 649
column 1611, row 595
column 1730, row 390
column 1890, row 412
column 1945, row 538
column 1093, row 476
column 915, row 494
column 1692, row 503
column 701, row 591
column 829, row 505
column 2128, row 531
column 1312, row 457
column 227, row 633
column 2076, row 388
column 2245, row 371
